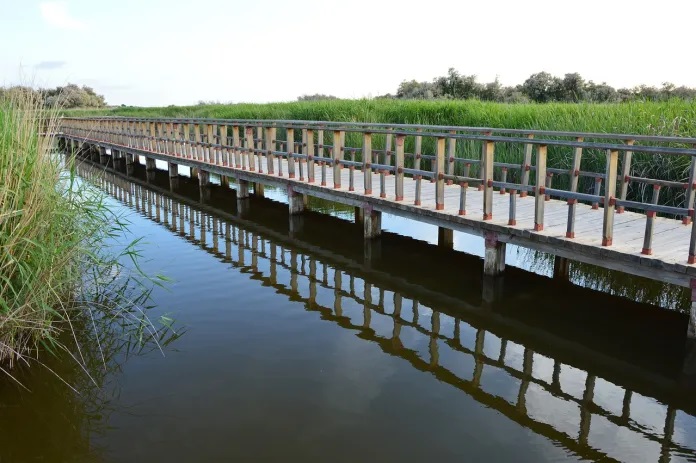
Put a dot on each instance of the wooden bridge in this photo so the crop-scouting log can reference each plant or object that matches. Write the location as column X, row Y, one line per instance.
column 356, row 297
column 446, row 176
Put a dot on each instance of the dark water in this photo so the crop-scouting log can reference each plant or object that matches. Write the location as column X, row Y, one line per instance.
column 299, row 344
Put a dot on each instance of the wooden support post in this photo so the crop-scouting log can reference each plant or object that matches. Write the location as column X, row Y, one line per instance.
column 188, row 149
column 439, row 174
column 224, row 181
column 211, row 128
column 297, row 202
column 494, row 255
column 337, row 154
column 242, row 189
column 372, row 222
column 445, row 237
column 259, row 189
column 173, row 170
column 487, row 156
column 359, row 214
column 609, row 197
column 561, row 268
column 150, row 164
column 367, row 162
column 399, row 161
column 540, row 190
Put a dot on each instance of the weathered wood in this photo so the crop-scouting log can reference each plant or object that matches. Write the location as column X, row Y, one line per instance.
column 337, row 154
column 372, row 223
column 494, row 255
column 487, row 159
column 367, row 163
column 445, row 237
column 625, row 175
column 290, row 148
column 399, row 161
column 539, row 194
column 609, row 194
column 439, row 171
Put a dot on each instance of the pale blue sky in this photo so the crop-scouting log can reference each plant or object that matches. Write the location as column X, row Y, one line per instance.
column 156, row 52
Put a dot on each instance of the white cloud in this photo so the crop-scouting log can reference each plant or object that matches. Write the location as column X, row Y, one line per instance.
column 56, row 14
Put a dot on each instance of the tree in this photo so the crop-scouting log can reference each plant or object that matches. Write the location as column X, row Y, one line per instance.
column 413, row 89
column 542, row 87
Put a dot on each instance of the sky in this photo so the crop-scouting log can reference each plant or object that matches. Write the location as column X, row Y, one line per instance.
column 157, row 53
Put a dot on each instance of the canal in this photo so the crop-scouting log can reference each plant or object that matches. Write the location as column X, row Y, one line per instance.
column 297, row 342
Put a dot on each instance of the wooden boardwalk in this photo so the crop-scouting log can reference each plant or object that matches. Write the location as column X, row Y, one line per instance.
column 440, row 179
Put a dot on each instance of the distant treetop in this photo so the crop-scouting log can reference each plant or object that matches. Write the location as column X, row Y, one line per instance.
column 69, row 96
column 541, row 87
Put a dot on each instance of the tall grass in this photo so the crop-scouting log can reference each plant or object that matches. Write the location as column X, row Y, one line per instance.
column 53, row 259
column 669, row 118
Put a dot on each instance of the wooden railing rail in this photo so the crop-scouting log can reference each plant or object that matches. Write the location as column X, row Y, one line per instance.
column 298, row 148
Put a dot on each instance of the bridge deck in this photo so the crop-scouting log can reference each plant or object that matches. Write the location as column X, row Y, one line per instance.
column 670, row 240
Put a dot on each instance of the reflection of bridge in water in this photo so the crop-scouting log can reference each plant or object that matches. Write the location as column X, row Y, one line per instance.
column 277, row 253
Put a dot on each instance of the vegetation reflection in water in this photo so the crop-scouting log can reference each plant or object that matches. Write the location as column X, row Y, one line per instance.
column 544, row 355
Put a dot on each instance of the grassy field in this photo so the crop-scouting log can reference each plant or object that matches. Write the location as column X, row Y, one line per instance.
column 671, row 118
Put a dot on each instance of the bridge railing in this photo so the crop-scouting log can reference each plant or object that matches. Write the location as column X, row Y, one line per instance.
column 314, row 281
column 529, row 162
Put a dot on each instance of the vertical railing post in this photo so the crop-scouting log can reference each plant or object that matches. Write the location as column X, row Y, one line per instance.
column 235, row 148
column 309, row 147
column 187, row 141
column 367, row 162
column 249, row 137
column 290, row 148
column 153, row 135
column 269, row 150
column 540, row 189
column 609, row 197
column 197, row 139
column 574, row 179
column 337, row 152
column 487, row 156
column 625, row 175
column 259, row 148
column 451, row 151
column 690, row 191
column 399, row 161
column 224, row 150
column 526, row 165
column 649, row 223
column 440, row 174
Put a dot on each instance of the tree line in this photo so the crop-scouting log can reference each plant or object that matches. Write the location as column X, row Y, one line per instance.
column 68, row 96
column 541, row 87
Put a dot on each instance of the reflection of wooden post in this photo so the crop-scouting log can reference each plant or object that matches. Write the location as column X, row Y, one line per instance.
column 434, row 333
column 338, row 281
column 312, row 281
column 478, row 357
column 228, row 241
column 669, row 432
column 503, row 351
column 556, row 377
column 527, row 367
column 585, row 413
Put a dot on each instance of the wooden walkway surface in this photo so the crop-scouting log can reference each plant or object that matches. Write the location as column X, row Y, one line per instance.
column 670, row 241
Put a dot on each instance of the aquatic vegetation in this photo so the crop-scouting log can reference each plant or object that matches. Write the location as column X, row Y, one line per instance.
column 63, row 285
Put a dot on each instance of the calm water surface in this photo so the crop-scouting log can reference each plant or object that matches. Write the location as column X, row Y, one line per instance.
column 299, row 344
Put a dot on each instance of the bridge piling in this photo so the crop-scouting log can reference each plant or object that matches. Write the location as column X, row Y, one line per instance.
column 561, row 268
column 297, row 202
column 494, row 255
column 445, row 237
column 242, row 189
column 259, row 189
column 372, row 223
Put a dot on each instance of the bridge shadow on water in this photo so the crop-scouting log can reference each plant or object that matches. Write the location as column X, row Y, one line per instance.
column 558, row 328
